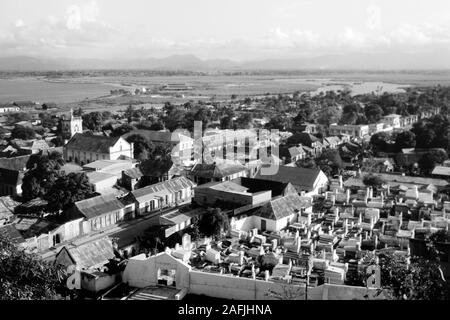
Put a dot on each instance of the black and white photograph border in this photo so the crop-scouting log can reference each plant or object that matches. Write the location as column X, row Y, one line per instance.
column 233, row 158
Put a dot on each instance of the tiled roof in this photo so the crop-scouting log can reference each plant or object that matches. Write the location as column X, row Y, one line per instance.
column 300, row 178
column 91, row 143
column 15, row 163
column 216, row 170
column 96, row 206
column 7, row 206
column 281, row 207
column 162, row 188
column 92, row 253
column 9, row 231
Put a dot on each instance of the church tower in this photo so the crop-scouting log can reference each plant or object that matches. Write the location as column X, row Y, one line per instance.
column 71, row 126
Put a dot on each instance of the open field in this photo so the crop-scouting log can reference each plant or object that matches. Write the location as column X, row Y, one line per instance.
column 92, row 91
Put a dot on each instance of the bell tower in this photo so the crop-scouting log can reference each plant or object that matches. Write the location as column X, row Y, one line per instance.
column 71, row 126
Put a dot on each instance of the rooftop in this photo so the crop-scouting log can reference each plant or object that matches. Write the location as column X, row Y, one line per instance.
column 96, row 206
column 91, row 143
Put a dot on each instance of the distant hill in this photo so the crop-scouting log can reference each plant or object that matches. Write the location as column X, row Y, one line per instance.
column 354, row 61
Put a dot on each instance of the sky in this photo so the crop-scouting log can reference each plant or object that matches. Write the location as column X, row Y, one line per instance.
column 225, row 29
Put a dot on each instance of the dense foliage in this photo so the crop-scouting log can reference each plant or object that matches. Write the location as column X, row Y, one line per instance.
column 25, row 277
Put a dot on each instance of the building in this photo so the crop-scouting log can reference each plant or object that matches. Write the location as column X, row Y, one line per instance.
column 71, row 125
column 131, row 178
column 7, row 206
column 229, row 193
column 393, row 120
column 9, row 108
column 11, row 174
column 90, row 255
column 99, row 213
column 274, row 215
column 441, row 172
column 354, row 130
column 161, row 195
column 217, row 171
column 86, row 148
column 103, row 182
column 304, row 180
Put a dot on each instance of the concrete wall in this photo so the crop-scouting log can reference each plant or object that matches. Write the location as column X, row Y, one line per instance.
column 208, row 196
column 225, row 286
column 141, row 272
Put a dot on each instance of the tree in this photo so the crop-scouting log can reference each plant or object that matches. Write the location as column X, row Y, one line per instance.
column 213, row 223
column 244, row 121
column 405, row 139
column 373, row 113
column 67, row 190
column 372, row 180
column 25, row 276
column 142, row 146
column 23, row 133
column 121, row 130
column 379, row 141
column 330, row 162
column 421, row 280
column 226, row 123
column 58, row 141
column 43, row 171
column 157, row 126
column 430, row 159
column 93, row 121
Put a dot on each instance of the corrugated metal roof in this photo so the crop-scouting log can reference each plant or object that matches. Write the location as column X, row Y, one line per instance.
column 96, row 206
column 162, row 188
column 282, row 207
column 92, row 253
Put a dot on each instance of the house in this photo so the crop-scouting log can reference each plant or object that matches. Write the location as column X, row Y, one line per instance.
column 131, row 178
column 274, row 215
column 10, row 232
column 354, row 130
column 86, row 148
column 7, row 206
column 217, row 171
column 333, row 141
column 100, row 212
column 161, row 195
column 304, row 180
column 441, row 172
column 379, row 164
column 35, row 146
column 309, row 128
column 103, row 182
column 9, row 108
column 11, row 175
column 297, row 153
column 90, row 255
column 392, row 120
column 308, row 140
column 228, row 193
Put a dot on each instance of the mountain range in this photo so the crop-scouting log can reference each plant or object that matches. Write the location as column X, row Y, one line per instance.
column 353, row 61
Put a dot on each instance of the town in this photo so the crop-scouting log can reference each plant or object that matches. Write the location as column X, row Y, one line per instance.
column 134, row 205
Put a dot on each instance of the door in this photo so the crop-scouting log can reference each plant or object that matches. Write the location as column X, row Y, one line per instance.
column 263, row 225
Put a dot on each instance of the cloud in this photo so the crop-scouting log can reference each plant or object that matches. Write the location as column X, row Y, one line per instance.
column 77, row 15
column 374, row 20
